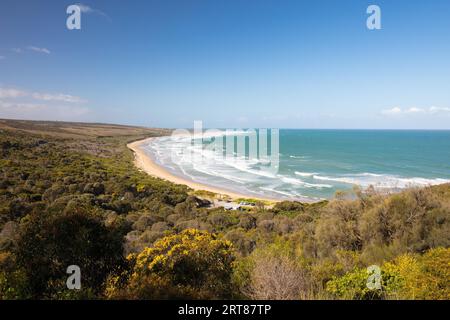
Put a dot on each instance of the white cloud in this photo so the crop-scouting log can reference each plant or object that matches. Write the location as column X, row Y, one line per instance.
column 32, row 48
column 439, row 109
column 21, row 104
column 40, row 50
column 16, row 93
column 11, row 93
column 41, row 111
column 2, row 57
column 393, row 111
column 57, row 97
column 87, row 9
column 414, row 110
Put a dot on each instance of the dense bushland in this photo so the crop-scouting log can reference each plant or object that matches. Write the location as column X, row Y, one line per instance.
column 68, row 200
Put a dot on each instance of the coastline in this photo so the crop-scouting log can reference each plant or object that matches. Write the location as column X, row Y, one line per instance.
column 145, row 163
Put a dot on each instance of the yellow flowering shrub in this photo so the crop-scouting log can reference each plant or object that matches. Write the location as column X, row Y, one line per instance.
column 409, row 276
column 436, row 265
column 191, row 264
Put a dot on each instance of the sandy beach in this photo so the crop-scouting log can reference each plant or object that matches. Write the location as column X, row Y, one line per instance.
column 146, row 164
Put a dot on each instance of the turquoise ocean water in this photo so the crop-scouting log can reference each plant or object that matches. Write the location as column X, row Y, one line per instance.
column 314, row 164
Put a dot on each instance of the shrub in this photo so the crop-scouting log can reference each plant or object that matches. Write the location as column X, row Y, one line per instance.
column 192, row 264
column 160, row 227
column 337, row 227
column 220, row 220
column 49, row 244
column 353, row 286
column 408, row 276
column 241, row 241
column 274, row 273
column 247, row 221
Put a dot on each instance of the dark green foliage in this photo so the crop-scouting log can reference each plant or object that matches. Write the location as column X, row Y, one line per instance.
column 49, row 244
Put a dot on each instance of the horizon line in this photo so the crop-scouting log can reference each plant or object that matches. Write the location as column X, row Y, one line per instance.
column 223, row 128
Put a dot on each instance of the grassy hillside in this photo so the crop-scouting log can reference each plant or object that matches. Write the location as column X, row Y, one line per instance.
column 70, row 195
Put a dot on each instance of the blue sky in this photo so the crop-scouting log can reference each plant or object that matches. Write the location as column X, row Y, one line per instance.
column 230, row 63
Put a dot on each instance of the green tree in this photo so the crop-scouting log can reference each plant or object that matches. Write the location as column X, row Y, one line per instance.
column 49, row 244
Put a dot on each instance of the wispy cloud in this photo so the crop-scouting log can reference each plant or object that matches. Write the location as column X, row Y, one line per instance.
column 414, row 110
column 22, row 104
column 2, row 57
column 393, row 111
column 84, row 8
column 38, row 49
column 41, row 111
column 31, row 48
column 57, row 97
column 60, row 97
column 11, row 93
column 439, row 109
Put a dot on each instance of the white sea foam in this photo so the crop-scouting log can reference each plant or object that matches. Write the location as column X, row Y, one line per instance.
column 302, row 183
column 305, row 174
column 284, row 193
column 383, row 181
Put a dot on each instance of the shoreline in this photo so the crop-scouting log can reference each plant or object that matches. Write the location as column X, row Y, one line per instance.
column 145, row 163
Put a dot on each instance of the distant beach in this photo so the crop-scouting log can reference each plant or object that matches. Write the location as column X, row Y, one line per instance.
column 144, row 162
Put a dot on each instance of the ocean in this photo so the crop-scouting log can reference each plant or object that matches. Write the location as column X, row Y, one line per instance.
column 311, row 164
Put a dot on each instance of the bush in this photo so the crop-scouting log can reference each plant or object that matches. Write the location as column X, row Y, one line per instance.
column 408, row 276
column 353, row 286
column 274, row 273
column 242, row 242
column 49, row 244
column 145, row 221
column 286, row 207
column 247, row 221
column 160, row 227
column 220, row 220
column 337, row 227
column 193, row 264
